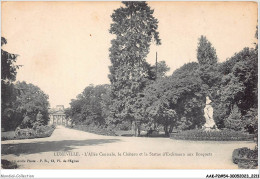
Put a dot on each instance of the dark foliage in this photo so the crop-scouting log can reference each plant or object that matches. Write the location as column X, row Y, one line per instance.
column 135, row 27
column 245, row 158
column 91, row 106
column 8, row 92
column 223, row 135
column 237, row 94
column 5, row 164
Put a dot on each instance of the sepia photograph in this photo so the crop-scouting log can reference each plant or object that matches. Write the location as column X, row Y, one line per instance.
column 129, row 85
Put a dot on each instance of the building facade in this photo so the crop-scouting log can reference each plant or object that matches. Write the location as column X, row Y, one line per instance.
column 58, row 117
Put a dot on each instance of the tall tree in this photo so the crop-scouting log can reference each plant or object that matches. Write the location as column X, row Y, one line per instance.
column 176, row 101
column 90, row 107
column 8, row 92
column 209, row 74
column 206, row 54
column 135, row 27
column 188, row 96
column 31, row 103
column 237, row 97
column 207, row 58
column 158, row 105
column 238, row 90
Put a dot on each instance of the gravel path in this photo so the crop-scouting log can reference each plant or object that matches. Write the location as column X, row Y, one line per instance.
column 73, row 149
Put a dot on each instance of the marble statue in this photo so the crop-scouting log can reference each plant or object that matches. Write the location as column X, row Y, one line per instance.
column 208, row 114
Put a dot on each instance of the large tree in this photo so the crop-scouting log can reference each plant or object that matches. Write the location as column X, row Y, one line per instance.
column 8, row 92
column 135, row 27
column 176, row 101
column 91, row 106
column 188, row 96
column 31, row 102
column 236, row 101
column 238, row 90
column 158, row 105
column 207, row 58
column 210, row 75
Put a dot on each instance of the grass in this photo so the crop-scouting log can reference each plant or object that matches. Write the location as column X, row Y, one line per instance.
column 113, row 132
column 9, row 135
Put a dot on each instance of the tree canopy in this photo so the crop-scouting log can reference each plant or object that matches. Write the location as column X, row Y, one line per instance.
column 32, row 101
column 90, row 106
column 135, row 27
column 8, row 92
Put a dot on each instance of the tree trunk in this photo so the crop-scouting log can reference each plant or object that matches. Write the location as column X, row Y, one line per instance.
column 171, row 128
column 138, row 131
column 154, row 126
column 135, row 129
column 166, row 130
column 137, row 124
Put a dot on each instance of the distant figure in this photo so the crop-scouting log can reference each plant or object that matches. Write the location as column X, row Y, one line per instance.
column 208, row 114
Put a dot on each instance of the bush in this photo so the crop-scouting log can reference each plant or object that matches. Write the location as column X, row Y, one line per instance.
column 24, row 133
column 223, row 135
column 245, row 158
column 251, row 121
column 44, row 131
column 5, row 164
column 9, row 135
column 37, row 132
column 124, row 126
column 234, row 120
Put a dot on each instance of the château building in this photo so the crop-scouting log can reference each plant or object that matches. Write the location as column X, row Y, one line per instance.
column 58, row 117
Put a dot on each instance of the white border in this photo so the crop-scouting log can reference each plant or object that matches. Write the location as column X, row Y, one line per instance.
column 123, row 173
column 158, row 173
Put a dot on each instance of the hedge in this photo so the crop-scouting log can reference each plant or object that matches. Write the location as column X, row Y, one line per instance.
column 28, row 133
column 214, row 135
column 38, row 132
column 5, row 164
column 245, row 158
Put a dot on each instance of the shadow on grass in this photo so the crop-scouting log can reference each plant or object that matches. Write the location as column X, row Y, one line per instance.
column 50, row 146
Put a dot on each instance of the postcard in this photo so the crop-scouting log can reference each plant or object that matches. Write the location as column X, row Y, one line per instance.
column 129, row 85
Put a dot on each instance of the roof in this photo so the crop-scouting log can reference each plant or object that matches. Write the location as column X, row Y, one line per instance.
column 55, row 111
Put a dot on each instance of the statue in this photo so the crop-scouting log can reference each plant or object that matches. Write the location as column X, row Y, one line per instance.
column 208, row 114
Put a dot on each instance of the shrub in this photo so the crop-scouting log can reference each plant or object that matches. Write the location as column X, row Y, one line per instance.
column 26, row 122
column 223, row 135
column 5, row 164
column 44, row 131
column 234, row 121
column 251, row 121
column 7, row 135
column 24, row 133
column 124, row 126
column 245, row 158
column 37, row 132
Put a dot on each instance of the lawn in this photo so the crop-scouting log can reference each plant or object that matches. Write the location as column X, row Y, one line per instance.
column 8, row 135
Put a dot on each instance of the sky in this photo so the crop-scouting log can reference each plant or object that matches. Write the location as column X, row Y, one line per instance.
column 64, row 46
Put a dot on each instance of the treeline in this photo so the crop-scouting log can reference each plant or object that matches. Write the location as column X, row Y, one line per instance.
column 142, row 95
column 177, row 101
column 22, row 105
